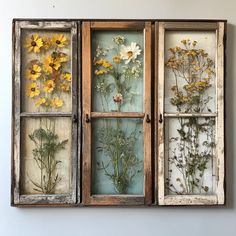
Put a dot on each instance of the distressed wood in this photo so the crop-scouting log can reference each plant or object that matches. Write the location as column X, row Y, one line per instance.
column 122, row 25
column 189, row 25
column 45, row 114
column 147, row 109
column 218, row 196
column 220, row 108
column 124, row 200
column 190, row 114
column 32, row 199
column 160, row 109
column 88, row 197
column 86, row 94
column 117, row 115
column 190, row 200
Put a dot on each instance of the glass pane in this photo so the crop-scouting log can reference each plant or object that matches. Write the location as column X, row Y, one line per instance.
column 46, row 71
column 117, row 156
column 117, row 76
column 45, row 155
column 190, row 155
column 190, row 71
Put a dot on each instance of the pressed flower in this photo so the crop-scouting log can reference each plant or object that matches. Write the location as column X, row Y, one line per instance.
column 65, row 87
column 40, row 101
column 118, row 97
column 129, row 53
column 59, row 40
column 107, row 64
column 66, row 76
column 49, row 86
column 100, row 72
column 119, row 39
column 63, row 57
column 32, row 90
column 47, row 43
column 116, row 59
column 34, row 43
column 51, row 64
column 34, row 72
column 56, row 102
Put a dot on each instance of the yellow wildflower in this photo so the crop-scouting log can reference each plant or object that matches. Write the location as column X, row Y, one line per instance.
column 51, row 64
column 116, row 59
column 63, row 57
column 56, row 102
column 107, row 64
column 100, row 72
column 32, row 90
column 40, row 101
column 49, row 86
column 34, row 72
column 59, row 40
column 34, row 43
column 65, row 87
column 46, row 43
column 98, row 62
column 66, row 76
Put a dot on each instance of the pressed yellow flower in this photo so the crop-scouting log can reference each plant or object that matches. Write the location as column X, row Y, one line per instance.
column 63, row 57
column 107, row 64
column 116, row 59
column 34, row 43
column 59, row 40
column 65, row 87
column 66, row 76
column 100, row 72
column 40, row 101
column 51, row 64
column 46, row 43
column 98, row 62
column 32, row 90
column 49, row 86
column 34, row 72
column 56, row 102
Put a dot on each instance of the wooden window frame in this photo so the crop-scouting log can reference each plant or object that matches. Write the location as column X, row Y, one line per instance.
column 87, row 114
column 219, row 196
column 71, row 198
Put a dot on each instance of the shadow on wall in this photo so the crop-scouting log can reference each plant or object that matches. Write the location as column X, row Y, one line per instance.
column 229, row 121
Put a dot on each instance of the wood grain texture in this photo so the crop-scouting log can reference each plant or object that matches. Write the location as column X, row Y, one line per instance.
column 147, row 109
column 117, row 115
column 117, row 25
column 220, row 109
column 86, row 104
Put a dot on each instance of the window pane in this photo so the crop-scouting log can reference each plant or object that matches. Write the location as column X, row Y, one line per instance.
column 190, row 77
column 117, row 76
column 117, row 156
column 46, row 155
column 46, row 71
column 190, row 155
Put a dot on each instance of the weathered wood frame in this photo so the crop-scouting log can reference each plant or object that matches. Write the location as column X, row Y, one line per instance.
column 219, row 196
column 87, row 114
column 45, row 199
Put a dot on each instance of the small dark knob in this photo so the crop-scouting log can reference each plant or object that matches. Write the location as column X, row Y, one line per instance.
column 87, row 119
column 75, row 119
column 148, row 120
column 160, row 119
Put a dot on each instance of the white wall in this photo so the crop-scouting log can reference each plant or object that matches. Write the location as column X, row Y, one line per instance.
column 165, row 221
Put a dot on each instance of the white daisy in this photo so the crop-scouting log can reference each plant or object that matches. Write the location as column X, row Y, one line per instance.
column 129, row 53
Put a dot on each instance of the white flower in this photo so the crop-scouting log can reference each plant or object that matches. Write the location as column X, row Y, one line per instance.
column 129, row 53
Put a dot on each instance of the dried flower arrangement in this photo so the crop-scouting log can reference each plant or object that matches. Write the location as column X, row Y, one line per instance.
column 116, row 79
column 192, row 149
column 47, row 80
